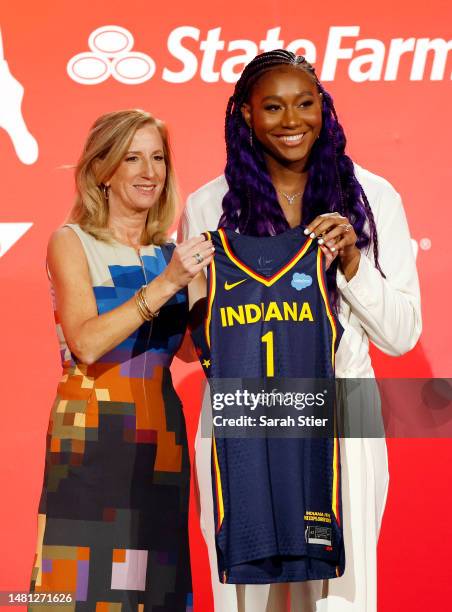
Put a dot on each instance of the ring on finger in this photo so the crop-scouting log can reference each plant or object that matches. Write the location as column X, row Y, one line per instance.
column 198, row 258
column 348, row 227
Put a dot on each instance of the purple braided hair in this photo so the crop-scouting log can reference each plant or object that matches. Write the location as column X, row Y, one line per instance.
column 251, row 204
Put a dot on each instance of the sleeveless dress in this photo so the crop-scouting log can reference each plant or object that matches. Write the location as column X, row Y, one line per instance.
column 113, row 525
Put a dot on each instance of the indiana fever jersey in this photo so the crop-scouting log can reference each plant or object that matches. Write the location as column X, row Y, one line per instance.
column 277, row 499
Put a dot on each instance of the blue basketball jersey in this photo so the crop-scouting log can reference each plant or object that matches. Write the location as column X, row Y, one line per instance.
column 277, row 499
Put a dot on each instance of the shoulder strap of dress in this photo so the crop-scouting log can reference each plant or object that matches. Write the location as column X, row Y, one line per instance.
column 84, row 237
column 94, row 249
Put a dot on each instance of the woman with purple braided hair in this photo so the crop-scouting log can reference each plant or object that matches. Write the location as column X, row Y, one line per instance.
column 287, row 166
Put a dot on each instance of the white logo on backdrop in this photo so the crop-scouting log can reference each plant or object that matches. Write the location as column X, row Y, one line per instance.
column 111, row 55
column 425, row 244
column 10, row 233
column 11, row 119
column 212, row 58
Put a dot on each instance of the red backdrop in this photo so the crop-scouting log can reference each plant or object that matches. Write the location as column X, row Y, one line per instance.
column 389, row 71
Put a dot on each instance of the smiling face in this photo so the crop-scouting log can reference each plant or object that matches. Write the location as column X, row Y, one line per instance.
column 140, row 177
column 285, row 112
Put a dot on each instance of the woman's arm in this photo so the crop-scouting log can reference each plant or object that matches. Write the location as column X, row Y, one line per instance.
column 197, row 294
column 197, row 290
column 88, row 334
column 388, row 308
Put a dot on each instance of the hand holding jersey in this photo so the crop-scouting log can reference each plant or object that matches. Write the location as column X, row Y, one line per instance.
column 336, row 237
column 188, row 259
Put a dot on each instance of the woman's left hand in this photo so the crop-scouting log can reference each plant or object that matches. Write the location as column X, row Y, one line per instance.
column 336, row 237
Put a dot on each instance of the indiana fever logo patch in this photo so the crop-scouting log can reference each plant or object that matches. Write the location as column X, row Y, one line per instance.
column 301, row 281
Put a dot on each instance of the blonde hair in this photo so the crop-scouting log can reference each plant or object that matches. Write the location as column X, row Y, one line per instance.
column 105, row 148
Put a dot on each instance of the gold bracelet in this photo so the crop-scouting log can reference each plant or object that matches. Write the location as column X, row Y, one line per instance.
column 143, row 307
column 143, row 295
column 147, row 312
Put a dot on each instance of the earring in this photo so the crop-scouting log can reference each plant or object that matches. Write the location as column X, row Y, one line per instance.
column 251, row 137
column 105, row 191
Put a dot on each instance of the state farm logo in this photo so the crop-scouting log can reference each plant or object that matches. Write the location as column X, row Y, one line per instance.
column 215, row 59
column 111, row 55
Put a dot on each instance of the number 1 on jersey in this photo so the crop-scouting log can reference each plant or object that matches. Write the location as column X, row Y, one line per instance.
column 268, row 340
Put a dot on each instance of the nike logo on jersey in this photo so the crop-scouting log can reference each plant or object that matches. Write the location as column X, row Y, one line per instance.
column 229, row 286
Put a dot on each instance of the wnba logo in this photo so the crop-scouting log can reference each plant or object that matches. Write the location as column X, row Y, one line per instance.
column 111, row 55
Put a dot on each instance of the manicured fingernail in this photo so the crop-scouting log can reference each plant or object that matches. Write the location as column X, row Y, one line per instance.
column 213, row 248
column 320, row 241
column 333, row 249
column 312, row 235
column 306, row 231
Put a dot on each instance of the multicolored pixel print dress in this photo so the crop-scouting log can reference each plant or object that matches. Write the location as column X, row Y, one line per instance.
column 113, row 516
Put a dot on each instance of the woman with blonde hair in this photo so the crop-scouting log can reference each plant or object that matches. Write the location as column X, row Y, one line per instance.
column 112, row 525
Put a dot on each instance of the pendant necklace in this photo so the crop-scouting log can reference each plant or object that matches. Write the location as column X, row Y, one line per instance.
column 290, row 198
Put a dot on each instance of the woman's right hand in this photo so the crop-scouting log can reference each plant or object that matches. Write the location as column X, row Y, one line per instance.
column 188, row 259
